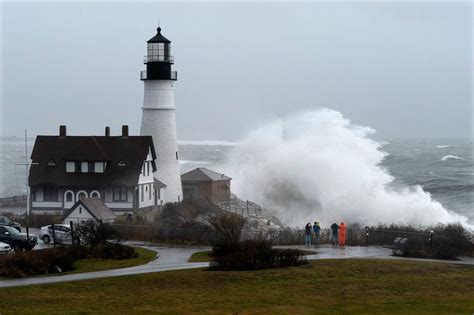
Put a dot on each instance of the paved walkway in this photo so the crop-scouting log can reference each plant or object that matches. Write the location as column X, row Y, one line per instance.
column 167, row 259
column 176, row 258
column 374, row 252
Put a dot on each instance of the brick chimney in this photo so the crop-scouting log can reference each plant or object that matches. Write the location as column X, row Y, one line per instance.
column 107, row 131
column 62, row 131
column 125, row 131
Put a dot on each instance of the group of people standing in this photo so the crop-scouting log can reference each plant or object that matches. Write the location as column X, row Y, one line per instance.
column 338, row 233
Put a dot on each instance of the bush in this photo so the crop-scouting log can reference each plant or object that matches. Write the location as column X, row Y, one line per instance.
column 230, row 253
column 253, row 255
column 450, row 241
column 38, row 262
column 95, row 234
column 47, row 261
column 229, row 227
column 114, row 251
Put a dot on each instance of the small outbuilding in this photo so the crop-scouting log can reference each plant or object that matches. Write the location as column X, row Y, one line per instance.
column 89, row 209
column 202, row 182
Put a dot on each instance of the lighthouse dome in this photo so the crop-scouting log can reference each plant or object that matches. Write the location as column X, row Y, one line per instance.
column 158, row 38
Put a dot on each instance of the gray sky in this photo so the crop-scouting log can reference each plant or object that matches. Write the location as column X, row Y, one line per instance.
column 402, row 68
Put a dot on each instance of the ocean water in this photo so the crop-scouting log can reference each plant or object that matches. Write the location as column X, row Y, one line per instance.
column 443, row 169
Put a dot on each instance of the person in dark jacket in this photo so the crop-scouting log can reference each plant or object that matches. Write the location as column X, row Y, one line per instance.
column 334, row 233
column 317, row 232
column 307, row 234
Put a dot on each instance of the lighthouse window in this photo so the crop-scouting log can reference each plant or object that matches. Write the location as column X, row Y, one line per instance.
column 161, row 51
column 156, row 52
column 153, row 52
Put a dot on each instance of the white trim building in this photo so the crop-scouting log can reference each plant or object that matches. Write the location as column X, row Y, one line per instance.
column 116, row 169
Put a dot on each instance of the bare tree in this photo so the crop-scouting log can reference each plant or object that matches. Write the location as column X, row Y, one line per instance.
column 229, row 226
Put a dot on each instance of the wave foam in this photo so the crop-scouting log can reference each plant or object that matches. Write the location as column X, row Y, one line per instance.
column 451, row 157
column 208, row 142
column 444, row 146
column 319, row 166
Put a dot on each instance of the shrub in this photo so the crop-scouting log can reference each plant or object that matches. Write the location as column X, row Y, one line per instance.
column 228, row 226
column 114, row 251
column 449, row 241
column 95, row 234
column 47, row 261
column 38, row 262
column 252, row 255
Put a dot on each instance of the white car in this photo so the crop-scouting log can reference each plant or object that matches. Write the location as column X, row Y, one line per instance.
column 62, row 233
column 5, row 248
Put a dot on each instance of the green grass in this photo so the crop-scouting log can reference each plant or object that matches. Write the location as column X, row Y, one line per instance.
column 205, row 256
column 87, row 265
column 324, row 286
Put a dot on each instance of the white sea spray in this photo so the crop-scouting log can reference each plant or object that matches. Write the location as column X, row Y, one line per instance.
column 317, row 165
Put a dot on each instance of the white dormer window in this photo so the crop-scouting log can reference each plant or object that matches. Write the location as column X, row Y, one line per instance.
column 121, row 164
column 51, row 163
column 99, row 167
column 70, row 167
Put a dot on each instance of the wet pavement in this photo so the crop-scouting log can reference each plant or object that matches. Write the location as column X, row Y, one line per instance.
column 167, row 259
column 367, row 252
column 176, row 258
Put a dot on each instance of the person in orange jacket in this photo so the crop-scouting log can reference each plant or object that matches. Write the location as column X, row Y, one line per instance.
column 342, row 234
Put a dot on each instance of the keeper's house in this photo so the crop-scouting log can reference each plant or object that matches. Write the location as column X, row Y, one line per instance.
column 205, row 183
column 116, row 169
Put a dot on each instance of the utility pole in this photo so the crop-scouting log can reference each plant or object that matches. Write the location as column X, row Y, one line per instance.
column 27, row 186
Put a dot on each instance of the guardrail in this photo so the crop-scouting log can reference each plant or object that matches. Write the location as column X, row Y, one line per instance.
column 354, row 237
column 161, row 58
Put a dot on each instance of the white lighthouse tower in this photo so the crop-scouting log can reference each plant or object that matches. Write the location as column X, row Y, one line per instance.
column 158, row 114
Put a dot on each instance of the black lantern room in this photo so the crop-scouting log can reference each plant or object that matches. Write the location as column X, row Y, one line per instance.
column 159, row 59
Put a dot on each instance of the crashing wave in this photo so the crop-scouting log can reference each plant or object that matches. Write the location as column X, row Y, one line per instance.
column 444, row 146
column 319, row 166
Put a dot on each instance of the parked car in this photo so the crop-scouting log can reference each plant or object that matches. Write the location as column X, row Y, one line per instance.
column 5, row 248
column 6, row 221
column 62, row 233
column 17, row 240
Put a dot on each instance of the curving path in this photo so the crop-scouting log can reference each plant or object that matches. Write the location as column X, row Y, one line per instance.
column 175, row 258
column 168, row 258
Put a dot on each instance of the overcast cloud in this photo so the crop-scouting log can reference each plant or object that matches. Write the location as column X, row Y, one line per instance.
column 402, row 68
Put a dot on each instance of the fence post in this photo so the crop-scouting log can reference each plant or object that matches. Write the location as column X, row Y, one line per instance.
column 367, row 235
column 54, row 235
column 72, row 232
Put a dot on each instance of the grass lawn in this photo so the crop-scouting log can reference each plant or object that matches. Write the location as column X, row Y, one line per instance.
column 87, row 265
column 324, row 286
column 204, row 256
